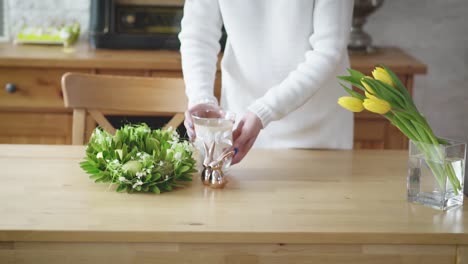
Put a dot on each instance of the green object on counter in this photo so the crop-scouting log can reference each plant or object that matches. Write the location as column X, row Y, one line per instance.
column 65, row 35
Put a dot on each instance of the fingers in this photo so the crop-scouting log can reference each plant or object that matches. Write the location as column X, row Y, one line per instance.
column 188, row 123
column 243, row 143
column 237, row 132
column 242, row 151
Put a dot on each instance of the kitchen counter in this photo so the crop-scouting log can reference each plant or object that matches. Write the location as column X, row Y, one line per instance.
column 279, row 206
column 83, row 56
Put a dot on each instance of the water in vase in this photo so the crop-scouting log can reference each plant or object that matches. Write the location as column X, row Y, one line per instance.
column 437, row 192
column 217, row 130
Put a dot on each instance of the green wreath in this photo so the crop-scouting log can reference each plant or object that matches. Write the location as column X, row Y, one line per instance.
column 138, row 159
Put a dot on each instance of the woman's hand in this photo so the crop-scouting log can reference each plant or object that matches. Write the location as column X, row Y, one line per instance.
column 188, row 122
column 245, row 135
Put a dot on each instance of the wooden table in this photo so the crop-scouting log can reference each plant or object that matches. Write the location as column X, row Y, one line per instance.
column 289, row 206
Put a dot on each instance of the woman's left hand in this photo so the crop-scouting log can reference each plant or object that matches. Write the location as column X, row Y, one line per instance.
column 245, row 134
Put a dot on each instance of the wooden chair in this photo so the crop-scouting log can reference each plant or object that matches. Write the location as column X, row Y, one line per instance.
column 94, row 94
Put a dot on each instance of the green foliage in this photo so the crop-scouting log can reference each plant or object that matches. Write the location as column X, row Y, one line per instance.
column 138, row 159
column 353, row 93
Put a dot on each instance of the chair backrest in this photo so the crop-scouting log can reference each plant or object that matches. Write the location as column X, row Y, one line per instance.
column 93, row 94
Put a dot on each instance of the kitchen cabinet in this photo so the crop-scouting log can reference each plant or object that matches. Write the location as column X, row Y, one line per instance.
column 32, row 110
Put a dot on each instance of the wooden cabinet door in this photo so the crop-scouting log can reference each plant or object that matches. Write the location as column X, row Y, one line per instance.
column 33, row 111
column 35, row 128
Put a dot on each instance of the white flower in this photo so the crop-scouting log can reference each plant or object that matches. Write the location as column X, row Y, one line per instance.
column 178, row 156
column 116, row 161
column 139, row 154
column 166, row 177
column 99, row 155
column 188, row 146
column 122, row 179
column 161, row 163
column 140, row 174
column 138, row 183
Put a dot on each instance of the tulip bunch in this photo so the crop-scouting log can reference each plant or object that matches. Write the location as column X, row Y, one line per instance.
column 385, row 94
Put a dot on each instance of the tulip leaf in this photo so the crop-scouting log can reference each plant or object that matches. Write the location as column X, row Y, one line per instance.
column 351, row 80
column 423, row 133
column 357, row 75
column 397, row 95
column 405, row 115
column 399, row 85
column 407, row 126
column 385, row 93
column 353, row 93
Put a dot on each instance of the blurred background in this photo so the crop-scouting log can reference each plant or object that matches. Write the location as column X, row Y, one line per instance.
column 434, row 32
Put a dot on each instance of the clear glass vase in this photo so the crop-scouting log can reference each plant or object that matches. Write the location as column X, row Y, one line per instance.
column 213, row 127
column 436, row 174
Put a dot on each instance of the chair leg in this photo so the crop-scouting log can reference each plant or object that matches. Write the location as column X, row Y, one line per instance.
column 175, row 121
column 102, row 121
column 78, row 128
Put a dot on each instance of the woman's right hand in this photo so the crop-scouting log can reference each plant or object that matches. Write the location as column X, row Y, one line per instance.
column 188, row 122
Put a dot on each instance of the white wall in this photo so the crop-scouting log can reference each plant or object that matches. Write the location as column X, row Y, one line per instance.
column 47, row 12
column 435, row 32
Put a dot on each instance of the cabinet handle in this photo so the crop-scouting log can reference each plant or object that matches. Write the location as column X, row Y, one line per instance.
column 10, row 88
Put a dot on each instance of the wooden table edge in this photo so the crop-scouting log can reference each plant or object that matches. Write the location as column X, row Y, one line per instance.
column 232, row 237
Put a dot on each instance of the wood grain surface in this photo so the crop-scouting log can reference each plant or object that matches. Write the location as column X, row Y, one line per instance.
column 281, row 196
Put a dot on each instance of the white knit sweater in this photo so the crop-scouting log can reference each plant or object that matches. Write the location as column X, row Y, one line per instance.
column 280, row 61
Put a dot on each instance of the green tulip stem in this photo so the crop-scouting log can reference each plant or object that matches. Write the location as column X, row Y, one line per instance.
column 436, row 161
column 431, row 153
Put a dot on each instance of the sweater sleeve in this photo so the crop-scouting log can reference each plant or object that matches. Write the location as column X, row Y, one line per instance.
column 199, row 37
column 332, row 24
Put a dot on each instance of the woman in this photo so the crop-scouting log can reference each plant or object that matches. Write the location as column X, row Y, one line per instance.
column 279, row 69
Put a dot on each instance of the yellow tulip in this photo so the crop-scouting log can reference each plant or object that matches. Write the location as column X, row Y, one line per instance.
column 368, row 88
column 383, row 76
column 370, row 96
column 351, row 103
column 377, row 105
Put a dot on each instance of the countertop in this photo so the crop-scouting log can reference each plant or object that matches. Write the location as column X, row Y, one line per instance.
column 83, row 56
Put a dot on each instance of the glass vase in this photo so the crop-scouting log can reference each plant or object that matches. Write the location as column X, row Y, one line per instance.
column 214, row 139
column 436, row 174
